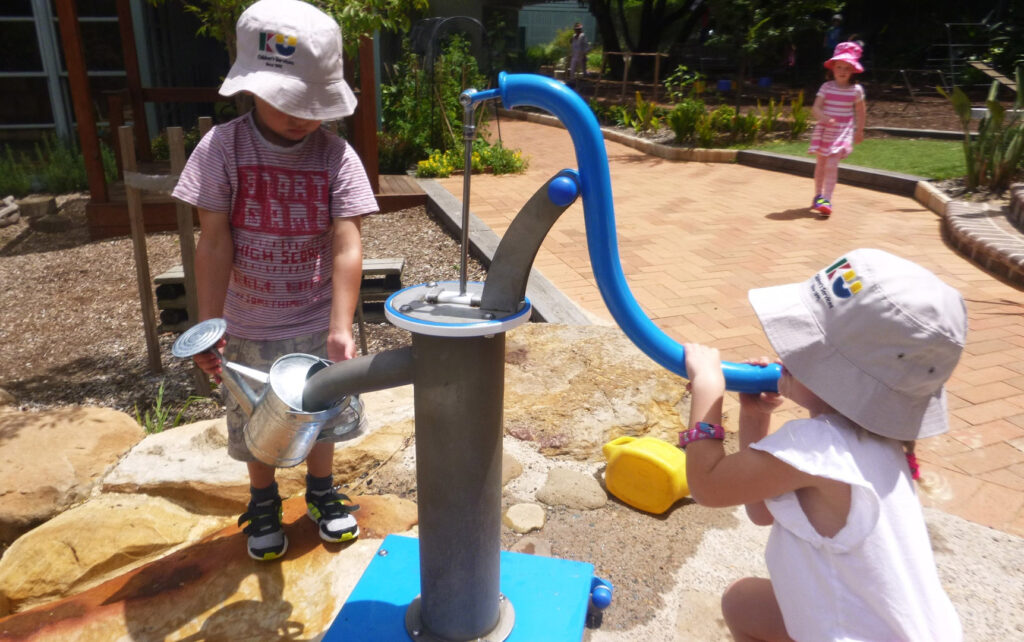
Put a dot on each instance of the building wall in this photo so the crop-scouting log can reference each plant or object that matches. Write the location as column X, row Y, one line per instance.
column 540, row 22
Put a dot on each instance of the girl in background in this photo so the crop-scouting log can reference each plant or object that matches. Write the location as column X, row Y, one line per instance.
column 840, row 112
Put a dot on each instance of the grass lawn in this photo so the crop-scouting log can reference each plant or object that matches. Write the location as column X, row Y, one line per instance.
column 934, row 159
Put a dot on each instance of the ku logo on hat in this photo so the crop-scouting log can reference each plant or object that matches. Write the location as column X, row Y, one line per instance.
column 277, row 43
column 848, row 283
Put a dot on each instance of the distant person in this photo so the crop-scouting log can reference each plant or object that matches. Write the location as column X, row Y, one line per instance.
column 840, row 112
column 280, row 201
column 578, row 48
column 833, row 35
column 866, row 346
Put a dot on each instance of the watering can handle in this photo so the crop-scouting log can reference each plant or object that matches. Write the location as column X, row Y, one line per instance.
column 599, row 215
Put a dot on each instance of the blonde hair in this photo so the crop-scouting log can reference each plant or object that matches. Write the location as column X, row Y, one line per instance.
column 931, row 482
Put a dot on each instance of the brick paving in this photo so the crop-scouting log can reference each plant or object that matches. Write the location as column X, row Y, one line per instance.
column 694, row 237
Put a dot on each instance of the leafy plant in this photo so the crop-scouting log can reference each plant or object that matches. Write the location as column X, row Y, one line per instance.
column 620, row 115
column 501, row 160
column 395, row 154
column 13, row 177
column 705, row 131
column 437, row 165
column 991, row 157
column 768, row 117
column 799, row 117
column 745, row 127
column 681, row 83
column 721, row 118
column 646, row 115
column 684, row 117
column 158, row 418
column 161, row 151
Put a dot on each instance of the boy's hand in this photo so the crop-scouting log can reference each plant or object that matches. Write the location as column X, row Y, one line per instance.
column 341, row 346
column 209, row 362
column 763, row 403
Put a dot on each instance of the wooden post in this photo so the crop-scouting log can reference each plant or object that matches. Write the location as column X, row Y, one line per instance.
column 187, row 241
column 134, row 198
column 81, row 98
column 205, row 125
column 362, row 124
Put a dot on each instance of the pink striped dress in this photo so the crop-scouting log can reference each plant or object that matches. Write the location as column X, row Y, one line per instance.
column 280, row 202
column 837, row 139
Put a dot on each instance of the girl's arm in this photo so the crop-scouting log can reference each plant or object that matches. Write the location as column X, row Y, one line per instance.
column 860, row 115
column 215, row 257
column 755, row 420
column 746, row 477
column 347, row 248
column 818, row 109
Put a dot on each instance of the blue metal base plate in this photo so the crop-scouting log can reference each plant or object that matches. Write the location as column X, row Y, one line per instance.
column 550, row 596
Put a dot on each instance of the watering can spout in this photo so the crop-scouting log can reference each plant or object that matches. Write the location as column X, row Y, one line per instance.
column 239, row 390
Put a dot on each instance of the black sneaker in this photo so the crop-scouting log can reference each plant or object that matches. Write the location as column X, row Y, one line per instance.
column 267, row 540
column 331, row 511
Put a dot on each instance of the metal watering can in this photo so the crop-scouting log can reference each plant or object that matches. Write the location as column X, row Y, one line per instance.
column 279, row 432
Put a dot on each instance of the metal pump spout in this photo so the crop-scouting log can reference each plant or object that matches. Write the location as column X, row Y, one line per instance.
column 379, row 371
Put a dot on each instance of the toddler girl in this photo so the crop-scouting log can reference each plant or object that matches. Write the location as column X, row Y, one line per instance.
column 839, row 110
column 866, row 346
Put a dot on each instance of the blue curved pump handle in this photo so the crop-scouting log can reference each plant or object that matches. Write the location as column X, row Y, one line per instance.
column 599, row 215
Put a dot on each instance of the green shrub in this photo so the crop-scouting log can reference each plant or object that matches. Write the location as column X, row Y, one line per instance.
column 994, row 153
column 646, row 115
column 501, row 160
column 705, row 131
column 436, row 165
column 721, row 119
column 745, row 128
column 14, row 179
column 799, row 117
column 680, row 84
column 768, row 118
column 395, row 154
column 161, row 150
column 683, row 118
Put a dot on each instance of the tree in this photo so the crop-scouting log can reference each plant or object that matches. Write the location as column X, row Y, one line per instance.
column 645, row 26
column 358, row 18
column 755, row 30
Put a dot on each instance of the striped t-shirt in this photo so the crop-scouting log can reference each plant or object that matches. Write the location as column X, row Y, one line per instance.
column 838, row 103
column 280, row 202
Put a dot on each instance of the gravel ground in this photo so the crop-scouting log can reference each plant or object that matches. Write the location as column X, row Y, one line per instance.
column 71, row 327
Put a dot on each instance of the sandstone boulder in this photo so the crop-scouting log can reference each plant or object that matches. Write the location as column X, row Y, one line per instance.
column 213, row 591
column 82, row 546
column 570, row 389
column 51, row 460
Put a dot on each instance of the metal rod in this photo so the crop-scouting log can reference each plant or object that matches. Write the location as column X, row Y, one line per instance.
column 468, row 132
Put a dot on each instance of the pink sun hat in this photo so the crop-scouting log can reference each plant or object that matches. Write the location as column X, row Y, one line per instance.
column 846, row 52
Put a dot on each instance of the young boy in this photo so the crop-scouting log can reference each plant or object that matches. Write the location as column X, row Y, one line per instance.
column 280, row 255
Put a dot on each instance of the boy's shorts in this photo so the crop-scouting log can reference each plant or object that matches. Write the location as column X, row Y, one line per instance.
column 260, row 355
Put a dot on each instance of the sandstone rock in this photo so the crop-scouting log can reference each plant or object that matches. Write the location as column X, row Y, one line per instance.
column 510, row 468
column 93, row 541
column 523, row 518
column 7, row 399
column 190, row 464
column 572, row 489
column 51, row 460
column 570, row 389
column 213, row 591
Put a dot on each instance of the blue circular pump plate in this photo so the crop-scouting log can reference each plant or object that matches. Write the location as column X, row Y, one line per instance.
column 438, row 309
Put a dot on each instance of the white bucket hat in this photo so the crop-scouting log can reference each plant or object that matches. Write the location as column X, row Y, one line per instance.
column 289, row 54
column 874, row 336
